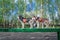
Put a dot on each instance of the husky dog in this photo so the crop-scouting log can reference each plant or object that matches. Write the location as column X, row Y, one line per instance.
column 25, row 21
column 42, row 21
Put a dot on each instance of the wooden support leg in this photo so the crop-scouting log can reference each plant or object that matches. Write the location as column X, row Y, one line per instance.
column 58, row 35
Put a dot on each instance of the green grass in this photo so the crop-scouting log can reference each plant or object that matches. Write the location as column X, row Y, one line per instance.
column 27, row 29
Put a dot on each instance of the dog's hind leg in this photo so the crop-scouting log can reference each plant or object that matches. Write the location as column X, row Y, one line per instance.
column 42, row 25
column 31, row 22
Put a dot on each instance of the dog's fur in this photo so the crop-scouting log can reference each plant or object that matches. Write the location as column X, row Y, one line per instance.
column 42, row 21
column 27, row 21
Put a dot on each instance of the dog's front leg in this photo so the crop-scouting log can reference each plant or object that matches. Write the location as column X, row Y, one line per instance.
column 31, row 25
column 22, row 25
column 37, row 24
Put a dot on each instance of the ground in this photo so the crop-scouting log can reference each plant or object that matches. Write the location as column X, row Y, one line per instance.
column 28, row 36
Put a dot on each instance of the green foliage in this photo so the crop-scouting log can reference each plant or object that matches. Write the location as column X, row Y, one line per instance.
column 7, row 5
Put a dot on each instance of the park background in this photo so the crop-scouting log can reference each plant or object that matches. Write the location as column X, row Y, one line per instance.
column 10, row 9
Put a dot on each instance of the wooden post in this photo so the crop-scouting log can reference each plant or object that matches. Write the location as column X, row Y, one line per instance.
column 58, row 35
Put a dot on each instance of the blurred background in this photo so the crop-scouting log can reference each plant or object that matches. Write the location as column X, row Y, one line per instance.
column 10, row 9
